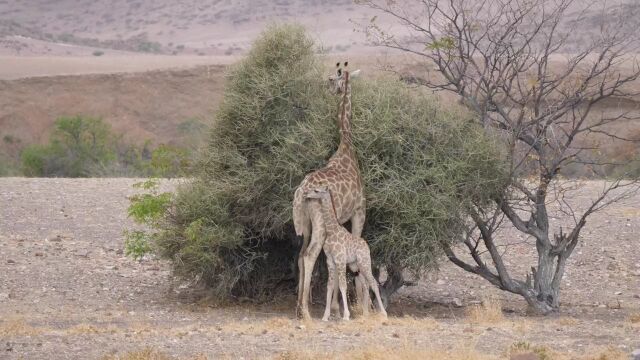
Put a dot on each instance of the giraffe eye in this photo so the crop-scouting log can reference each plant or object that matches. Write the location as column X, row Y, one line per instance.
column 337, row 64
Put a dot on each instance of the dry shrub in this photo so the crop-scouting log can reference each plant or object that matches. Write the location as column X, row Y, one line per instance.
column 634, row 319
column 523, row 347
column 489, row 312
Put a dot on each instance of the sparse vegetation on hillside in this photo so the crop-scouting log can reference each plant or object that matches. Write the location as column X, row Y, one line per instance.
column 231, row 226
column 86, row 147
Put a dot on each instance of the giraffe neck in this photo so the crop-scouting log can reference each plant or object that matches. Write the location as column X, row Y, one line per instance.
column 344, row 114
column 329, row 214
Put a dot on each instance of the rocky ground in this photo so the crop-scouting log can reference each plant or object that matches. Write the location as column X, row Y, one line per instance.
column 67, row 291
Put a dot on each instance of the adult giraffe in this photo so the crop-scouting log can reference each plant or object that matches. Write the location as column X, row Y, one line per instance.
column 342, row 177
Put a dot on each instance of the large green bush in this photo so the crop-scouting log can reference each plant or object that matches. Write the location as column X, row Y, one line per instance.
column 422, row 163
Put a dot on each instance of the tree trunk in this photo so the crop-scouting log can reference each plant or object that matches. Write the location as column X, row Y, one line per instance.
column 544, row 297
column 395, row 280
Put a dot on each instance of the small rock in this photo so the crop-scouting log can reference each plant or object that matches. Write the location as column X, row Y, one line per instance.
column 456, row 302
column 301, row 327
column 119, row 252
column 602, row 306
column 264, row 331
column 10, row 261
column 618, row 292
column 39, row 254
column 396, row 335
column 4, row 296
column 56, row 238
column 440, row 282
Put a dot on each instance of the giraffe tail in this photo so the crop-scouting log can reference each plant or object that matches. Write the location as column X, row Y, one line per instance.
column 300, row 218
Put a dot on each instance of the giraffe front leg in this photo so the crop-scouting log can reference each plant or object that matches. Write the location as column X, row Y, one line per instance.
column 331, row 281
column 342, row 278
column 335, row 306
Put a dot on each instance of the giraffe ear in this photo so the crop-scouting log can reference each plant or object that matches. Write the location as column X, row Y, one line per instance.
column 355, row 73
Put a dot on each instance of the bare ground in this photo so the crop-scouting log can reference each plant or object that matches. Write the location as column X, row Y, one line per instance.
column 68, row 292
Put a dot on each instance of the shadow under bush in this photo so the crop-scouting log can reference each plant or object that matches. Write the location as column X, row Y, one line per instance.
column 421, row 163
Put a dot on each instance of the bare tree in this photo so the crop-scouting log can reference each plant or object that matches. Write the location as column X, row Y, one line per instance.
column 534, row 74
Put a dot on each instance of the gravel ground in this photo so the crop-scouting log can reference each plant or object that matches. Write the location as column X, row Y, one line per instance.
column 68, row 292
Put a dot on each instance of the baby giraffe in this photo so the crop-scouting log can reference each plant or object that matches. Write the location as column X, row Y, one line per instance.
column 341, row 249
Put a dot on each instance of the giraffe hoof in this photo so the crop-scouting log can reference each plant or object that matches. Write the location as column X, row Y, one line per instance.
column 325, row 319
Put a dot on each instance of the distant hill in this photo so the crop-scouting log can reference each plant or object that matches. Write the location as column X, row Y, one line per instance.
column 166, row 26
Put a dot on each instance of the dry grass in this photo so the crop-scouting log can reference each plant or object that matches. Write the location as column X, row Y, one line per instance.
column 523, row 347
column 634, row 319
column 489, row 312
column 382, row 353
column 144, row 354
column 567, row 321
column 608, row 354
column 276, row 324
column 148, row 354
column 18, row 327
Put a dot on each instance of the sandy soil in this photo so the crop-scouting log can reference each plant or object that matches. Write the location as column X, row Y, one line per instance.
column 68, row 292
column 18, row 67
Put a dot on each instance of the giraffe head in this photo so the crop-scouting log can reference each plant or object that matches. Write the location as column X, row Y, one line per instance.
column 340, row 80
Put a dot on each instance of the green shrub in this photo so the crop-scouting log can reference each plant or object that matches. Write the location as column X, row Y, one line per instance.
column 149, row 46
column 146, row 208
column 77, row 144
column 170, row 161
column 422, row 163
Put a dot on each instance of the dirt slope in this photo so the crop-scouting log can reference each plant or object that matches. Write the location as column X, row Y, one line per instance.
column 147, row 105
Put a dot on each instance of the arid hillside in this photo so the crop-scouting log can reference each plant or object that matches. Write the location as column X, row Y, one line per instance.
column 71, row 27
column 143, row 106
column 77, row 27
